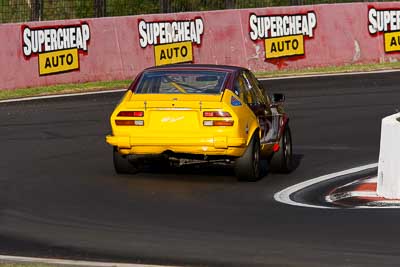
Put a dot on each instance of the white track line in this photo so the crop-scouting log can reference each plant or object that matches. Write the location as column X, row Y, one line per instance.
column 284, row 195
column 73, row 262
column 395, row 203
column 360, row 181
column 330, row 74
column 340, row 196
column 58, row 96
column 261, row 79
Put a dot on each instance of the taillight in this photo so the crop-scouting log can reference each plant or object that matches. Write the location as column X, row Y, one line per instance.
column 129, row 122
column 130, row 114
column 217, row 114
column 218, row 123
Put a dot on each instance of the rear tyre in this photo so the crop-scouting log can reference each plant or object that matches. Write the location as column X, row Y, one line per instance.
column 282, row 160
column 248, row 166
column 122, row 165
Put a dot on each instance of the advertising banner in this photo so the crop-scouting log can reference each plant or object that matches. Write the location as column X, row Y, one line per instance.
column 263, row 39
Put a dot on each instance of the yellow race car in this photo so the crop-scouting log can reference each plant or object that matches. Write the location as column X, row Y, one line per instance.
column 191, row 112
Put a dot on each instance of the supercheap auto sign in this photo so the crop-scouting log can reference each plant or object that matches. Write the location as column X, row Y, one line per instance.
column 172, row 40
column 283, row 35
column 57, row 47
column 388, row 23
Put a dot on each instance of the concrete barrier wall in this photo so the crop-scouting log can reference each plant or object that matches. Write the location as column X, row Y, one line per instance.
column 322, row 35
column 389, row 162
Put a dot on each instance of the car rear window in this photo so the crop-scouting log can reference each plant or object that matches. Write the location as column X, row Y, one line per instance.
column 181, row 82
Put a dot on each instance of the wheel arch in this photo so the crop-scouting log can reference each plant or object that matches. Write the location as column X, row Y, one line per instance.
column 255, row 130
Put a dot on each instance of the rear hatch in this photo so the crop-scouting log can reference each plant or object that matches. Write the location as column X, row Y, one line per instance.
column 177, row 104
column 179, row 114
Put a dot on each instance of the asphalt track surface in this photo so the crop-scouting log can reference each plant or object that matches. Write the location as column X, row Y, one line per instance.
column 60, row 197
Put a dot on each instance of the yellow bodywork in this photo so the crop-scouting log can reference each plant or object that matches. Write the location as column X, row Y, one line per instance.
column 174, row 122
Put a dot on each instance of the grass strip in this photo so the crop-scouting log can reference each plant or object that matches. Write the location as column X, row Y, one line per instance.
column 330, row 70
column 109, row 85
column 25, row 265
column 63, row 89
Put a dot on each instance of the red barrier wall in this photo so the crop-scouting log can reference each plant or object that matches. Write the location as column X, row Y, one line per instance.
column 340, row 37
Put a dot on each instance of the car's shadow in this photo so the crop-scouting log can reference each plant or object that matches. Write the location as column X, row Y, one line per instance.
column 297, row 158
column 206, row 170
column 197, row 169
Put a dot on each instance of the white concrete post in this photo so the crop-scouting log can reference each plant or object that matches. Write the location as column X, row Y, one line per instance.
column 389, row 158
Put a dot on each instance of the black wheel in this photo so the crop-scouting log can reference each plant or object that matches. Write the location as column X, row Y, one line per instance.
column 248, row 166
column 122, row 165
column 282, row 160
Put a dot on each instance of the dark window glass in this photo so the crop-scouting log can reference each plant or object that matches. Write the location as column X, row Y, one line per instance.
column 181, row 82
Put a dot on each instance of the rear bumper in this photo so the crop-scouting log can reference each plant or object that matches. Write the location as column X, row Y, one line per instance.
column 224, row 146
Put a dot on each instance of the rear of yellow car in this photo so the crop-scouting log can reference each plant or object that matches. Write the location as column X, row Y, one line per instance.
column 185, row 114
column 187, row 124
